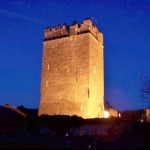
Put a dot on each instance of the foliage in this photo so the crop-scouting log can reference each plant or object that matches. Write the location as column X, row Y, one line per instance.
column 145, row 89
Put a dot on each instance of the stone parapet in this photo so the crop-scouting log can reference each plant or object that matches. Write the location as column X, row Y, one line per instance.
column 65, row 30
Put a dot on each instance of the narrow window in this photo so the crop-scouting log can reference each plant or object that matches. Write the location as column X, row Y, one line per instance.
column 67, row 69
column 76, row 79
column 88, row 93
column 94, row 69
column 46, row 83
column 48, row 67
column 59, row 96
column 81, row 107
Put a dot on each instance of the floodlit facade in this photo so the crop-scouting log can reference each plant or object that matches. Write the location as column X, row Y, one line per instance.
column 72, row 81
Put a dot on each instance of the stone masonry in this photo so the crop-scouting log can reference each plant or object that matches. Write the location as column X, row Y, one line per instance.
column 72, row 81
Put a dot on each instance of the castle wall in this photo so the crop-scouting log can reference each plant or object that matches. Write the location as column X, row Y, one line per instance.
column 96, row 78
column 68, row 84
column 65, row 75
column 147, row 114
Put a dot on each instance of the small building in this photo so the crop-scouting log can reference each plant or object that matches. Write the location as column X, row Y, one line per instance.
column 112, row 112
column 11, row 120
column 147, row 112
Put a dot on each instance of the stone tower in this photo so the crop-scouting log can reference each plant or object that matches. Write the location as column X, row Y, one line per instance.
column 72, row 80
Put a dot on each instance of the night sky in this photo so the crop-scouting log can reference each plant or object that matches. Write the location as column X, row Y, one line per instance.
column 125, row 25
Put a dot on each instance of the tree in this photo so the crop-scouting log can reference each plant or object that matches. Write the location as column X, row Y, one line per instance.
column 145, row 89
column 107, row 105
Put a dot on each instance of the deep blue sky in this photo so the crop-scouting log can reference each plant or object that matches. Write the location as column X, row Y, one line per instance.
column 124, row 23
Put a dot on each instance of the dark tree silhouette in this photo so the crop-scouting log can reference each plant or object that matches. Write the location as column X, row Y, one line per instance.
column 107, row 104
column 145, row 88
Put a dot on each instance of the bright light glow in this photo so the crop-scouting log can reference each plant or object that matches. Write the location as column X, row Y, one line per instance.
column 106, row 114
column 142, row 120
column 119, row 115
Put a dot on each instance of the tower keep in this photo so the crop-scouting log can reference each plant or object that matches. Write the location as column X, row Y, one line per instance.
column 72, row 81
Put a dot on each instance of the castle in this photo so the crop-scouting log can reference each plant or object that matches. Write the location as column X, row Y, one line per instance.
column 72, row 81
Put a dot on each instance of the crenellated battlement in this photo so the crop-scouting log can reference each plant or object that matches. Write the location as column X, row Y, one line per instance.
column 75, row 29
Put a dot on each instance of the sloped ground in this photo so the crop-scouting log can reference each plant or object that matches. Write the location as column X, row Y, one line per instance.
column 65, row 132
column 133, row 139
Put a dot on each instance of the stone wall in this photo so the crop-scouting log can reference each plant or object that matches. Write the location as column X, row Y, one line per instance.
column 72, row 71
column 147, row 114
column 113, row 112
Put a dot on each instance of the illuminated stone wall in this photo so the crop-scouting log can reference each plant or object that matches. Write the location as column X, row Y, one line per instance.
column 96, row 78
column 148, row 114
column 113, row 112
column 72, row 71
